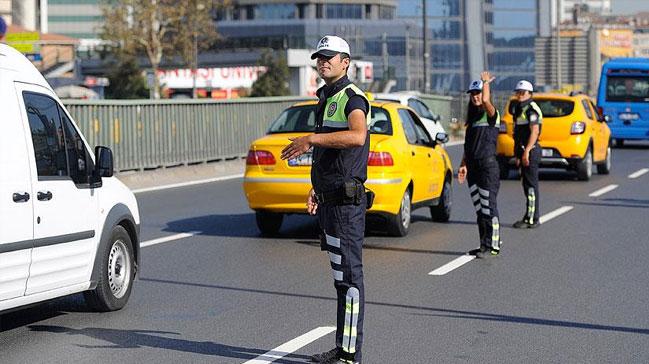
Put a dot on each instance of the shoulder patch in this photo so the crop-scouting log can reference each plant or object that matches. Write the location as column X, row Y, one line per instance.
column 332, row 109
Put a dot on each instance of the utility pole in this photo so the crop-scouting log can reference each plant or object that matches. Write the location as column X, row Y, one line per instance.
column 426, row 54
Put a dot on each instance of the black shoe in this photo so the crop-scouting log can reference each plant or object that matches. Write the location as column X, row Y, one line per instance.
column 489, row 253
column 481, row 249
column 521, row 224
column 534, row 226
column 327, row 357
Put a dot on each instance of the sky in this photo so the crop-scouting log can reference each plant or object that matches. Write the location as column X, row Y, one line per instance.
column 627, row 7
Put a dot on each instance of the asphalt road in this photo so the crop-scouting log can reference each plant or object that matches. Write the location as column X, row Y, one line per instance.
column 572, row 291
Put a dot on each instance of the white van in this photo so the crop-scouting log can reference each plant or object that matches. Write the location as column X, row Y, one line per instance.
column 66, row 224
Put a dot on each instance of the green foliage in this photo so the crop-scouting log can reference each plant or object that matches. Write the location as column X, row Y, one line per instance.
column 126, row 81
column 274, row 82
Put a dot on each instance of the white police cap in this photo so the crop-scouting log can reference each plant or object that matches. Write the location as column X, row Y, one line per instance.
column 330, row 45
column 476, row 85
column 524, row 86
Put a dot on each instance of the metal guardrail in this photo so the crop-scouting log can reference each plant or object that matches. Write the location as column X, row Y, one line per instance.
column 146, row 134
column 161, row 133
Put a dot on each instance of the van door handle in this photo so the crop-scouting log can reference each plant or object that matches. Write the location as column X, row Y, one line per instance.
column 21, row 197
column 44, row 196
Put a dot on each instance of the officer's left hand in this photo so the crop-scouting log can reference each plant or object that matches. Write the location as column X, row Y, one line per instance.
column 297, row 147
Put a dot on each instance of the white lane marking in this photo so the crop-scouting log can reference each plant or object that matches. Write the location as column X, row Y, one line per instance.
column 603, row 190
column 551, row 215
column 185, row 184
column 457, row 142
column 167, row 239
column 454, row 264
column 638, row 173
column 292, row 346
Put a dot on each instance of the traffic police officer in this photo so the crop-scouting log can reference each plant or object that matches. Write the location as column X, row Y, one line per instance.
column 528, row 119
column 338, row 197
column 479, row 164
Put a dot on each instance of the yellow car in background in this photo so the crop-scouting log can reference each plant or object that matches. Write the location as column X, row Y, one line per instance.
column 574, row 135
column 407, row 169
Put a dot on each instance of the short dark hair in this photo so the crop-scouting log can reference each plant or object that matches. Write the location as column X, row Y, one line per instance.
column 345, row 56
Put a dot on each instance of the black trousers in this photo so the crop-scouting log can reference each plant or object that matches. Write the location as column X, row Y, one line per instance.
column 530, row 178
column 343, row 232
column 483, row 177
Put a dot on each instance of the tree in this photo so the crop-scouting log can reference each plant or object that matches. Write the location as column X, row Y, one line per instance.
column 126, row 81
column 274, row 82
column 159, row 29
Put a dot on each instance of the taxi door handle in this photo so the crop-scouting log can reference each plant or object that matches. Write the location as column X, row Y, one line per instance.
column 412, row 152
column 44, row 196
column 428, row 155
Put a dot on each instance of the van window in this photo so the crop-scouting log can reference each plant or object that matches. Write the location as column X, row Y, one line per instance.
column 47, row 135
column 78, row 157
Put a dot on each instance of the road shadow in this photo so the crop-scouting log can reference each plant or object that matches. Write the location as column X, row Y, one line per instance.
column 43, row 311
column 135, row 339
column 427, row 311
column 244, row 226
column 298, row 226
column 637, row 205
column 366, row 246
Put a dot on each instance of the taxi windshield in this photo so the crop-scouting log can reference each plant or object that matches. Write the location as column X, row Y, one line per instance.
column 301, row 119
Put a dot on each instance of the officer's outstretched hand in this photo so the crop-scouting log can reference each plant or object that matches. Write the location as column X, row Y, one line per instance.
column 311, row 204
column 297, row 147
column 461, row 174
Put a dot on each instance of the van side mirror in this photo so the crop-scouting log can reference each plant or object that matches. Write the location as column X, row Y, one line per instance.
column 441, row 138
column 607, row 119
column 104, row 158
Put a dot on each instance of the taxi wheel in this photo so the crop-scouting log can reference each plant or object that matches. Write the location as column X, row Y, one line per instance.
column 585, row 166
column 605, row 167
column 269, row 222
column 400, row 222
column 442, row 211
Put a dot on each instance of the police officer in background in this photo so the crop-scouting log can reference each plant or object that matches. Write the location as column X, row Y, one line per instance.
column 479, row 164
column 340, row 151
column 528, row 119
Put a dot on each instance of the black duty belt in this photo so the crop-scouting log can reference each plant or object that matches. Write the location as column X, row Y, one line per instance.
column 349, row 194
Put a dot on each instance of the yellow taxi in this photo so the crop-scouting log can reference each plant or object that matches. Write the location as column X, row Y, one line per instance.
column 407, row 169
column 574, row 135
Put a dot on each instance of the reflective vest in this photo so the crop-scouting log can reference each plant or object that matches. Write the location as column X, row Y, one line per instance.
column 334, row 112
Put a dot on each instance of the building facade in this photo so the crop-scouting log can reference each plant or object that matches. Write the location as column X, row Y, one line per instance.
column 81, row 19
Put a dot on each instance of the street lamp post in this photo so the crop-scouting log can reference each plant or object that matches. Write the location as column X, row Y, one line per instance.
column 199, row 7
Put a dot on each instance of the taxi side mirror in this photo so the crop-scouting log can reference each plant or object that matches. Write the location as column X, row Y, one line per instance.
column 441, row 138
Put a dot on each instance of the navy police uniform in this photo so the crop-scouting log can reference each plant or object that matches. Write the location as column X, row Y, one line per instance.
column 526, row 114
column 483, row 174
column 337, row 176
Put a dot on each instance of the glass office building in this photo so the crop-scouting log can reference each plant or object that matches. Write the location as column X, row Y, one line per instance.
column 512, row 26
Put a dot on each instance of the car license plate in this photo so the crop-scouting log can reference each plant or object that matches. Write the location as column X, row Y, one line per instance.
column 629, row 116
column 546, row 153
column 303, row 160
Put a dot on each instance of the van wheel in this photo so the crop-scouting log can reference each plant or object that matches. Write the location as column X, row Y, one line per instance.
column 503, row 167
column 269, row 222
column 400, row 222
column 619, row 143
column 605, row 168
column 585, row 166
column 442, row 211
column 116, row 273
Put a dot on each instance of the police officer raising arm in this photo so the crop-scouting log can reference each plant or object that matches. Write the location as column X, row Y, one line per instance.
column 479, row 165
column 340, row 151
column 528, row 119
